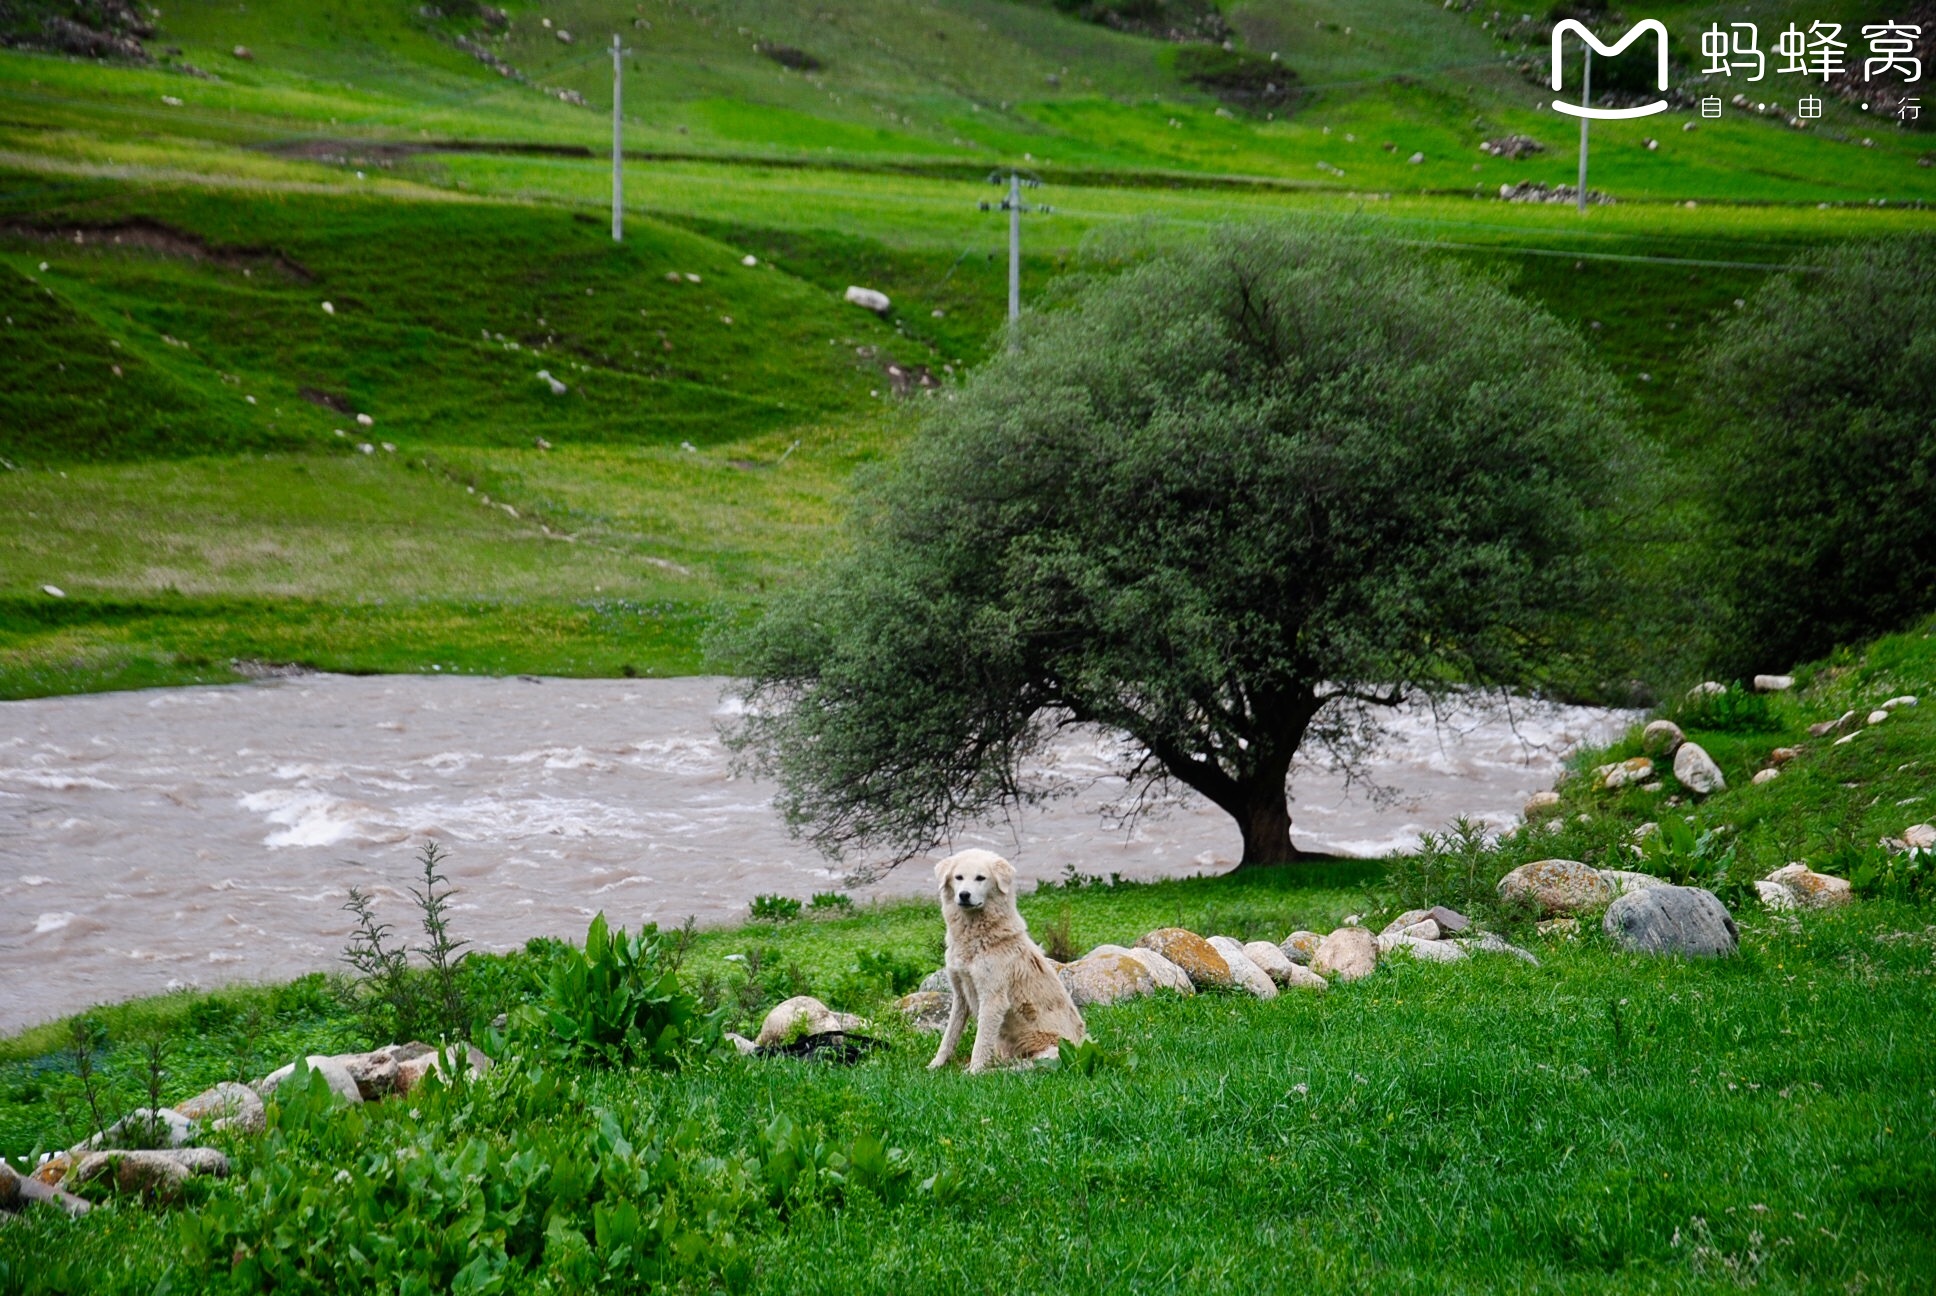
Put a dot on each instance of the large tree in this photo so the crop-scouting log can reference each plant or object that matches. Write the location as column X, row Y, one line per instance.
column 1223, row 494
column 1819, row 399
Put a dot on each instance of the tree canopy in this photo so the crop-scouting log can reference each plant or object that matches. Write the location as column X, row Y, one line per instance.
column 1222, row 498
column 1819, row 399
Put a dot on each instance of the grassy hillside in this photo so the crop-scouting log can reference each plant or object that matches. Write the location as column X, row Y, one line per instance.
column 453, row 215
column 1600, row 1122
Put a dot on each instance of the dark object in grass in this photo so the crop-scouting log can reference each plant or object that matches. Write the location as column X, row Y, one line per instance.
column 787, row 56
column 1242, row 80
column 1171, row 20
column 838, row 1047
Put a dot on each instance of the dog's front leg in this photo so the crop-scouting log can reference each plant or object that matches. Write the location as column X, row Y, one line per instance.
column 957, row 1022
column 988, row 1032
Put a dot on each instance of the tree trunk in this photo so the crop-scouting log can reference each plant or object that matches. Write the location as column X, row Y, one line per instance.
column 1264, row 818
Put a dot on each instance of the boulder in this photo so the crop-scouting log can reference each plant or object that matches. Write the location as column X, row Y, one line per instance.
column 1426, row 951
column 227, row 1106
column 803, row 1015
column 1540, row 805
column 1300, row 946
column 1409, row 918
column 1697, row 771
column 1919, row 836
column 33, row 1191
column 1624, row 880
column 1782, row 755
column 1628, row 772
column 375, row 1072
column 340, row 1082
column 1242, row 970
column 746, row 1047
column 1451, row 922
column 1303, row 978
column 1706, row 689
column 1167, row 974
column 9, row 1187
column 1828, row 727
column 416, row 1060
column 1773, row 683
column 1557, row 886
column 925, row 1010
column 1877, row 717
column 1765, row 776
column 1489, row 943
column 868, row 299
column 1906, row 700
column 1425, row 929
column 54, row 1169
column 1685, row 921
column 159, row 1174
column 1270, row 960
column 1806, row 889
column 1196, row 956
column 144, row 1128
column 1102, row 979
column 1347, row 953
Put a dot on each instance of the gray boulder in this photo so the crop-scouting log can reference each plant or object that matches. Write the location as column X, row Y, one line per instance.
column 1661, row 738
column 1697, row 771
column 1672, row 920
column 1349, row 953
column 227, row 1106
column 334, row 1073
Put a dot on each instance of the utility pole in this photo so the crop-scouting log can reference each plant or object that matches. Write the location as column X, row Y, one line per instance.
column 1586, row 97
column 1014, row 206
column 618, row 146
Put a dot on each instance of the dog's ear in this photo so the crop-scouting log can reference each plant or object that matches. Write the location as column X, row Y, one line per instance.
column 1004, row 874
column 943, row 867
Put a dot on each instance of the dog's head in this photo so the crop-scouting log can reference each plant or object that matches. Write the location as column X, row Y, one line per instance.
column 970, row 879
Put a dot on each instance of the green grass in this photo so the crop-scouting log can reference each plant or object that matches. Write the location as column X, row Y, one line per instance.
column 1600, row 1123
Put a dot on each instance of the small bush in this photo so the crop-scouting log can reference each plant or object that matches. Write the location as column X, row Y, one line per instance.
column 837, row 902
column 1735, row 711
column 774, row 908
column 1708, row 860
column 1058, row 938
column 613, row 1003
column 1875, row 873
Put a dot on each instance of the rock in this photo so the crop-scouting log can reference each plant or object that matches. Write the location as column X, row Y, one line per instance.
column 1101, row 978
column 1877, row 717
column 1697, row 771
column 803, row 1015
column 1906, row 700
column 746, row 1047
column 1919, row 836
column 1488, row 943
column 33, row 1191
column 868, row 299
column 1567, row 927
column 375, row 1072
column 144, row 1128
column 416, row 1060
column 1300, row 946
column 1167, row 974
column 1416, row 158
column 243, row 52
column 1828, row 727
column 1782, row 755
column 227, row 1106
column 1303, row 978
column 1557, row 886
column 1685, row 921
column 54, row 1169
column 53, row 591
column 1627, row 773
column 157, row 1174
column 1540, row 805
column 749, row 260
column 1707, row 688
column 937, row 980
column 1427, row 951
column 1774, row 895
column 1409, row 918
column 1270, row 960
column 9, row 1187
column 1348, row 953
column 1425, row 929
column 1655, row 786
column 1765, row 776
column 1773, row 683
column 1624, row 881
column 557, row 388
column 1809, row 889
column 340, row 1081
column 925, row 1010
column 1661, row 738
column 1196, row 956
column 1242, row 970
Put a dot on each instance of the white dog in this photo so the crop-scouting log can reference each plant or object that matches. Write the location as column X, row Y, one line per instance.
column 1020, row 1006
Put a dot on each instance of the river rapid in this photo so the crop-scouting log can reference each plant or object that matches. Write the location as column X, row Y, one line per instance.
column 174, row 838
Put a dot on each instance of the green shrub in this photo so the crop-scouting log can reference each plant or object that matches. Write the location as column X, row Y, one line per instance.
column 1819, row 399
column 1735, row 711
column 615, row 1002
column 1708, row 860
column 831, row 902
column 1877, row 873
column 774, row 908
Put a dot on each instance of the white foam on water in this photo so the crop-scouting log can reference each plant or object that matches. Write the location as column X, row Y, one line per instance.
column 221, row 827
